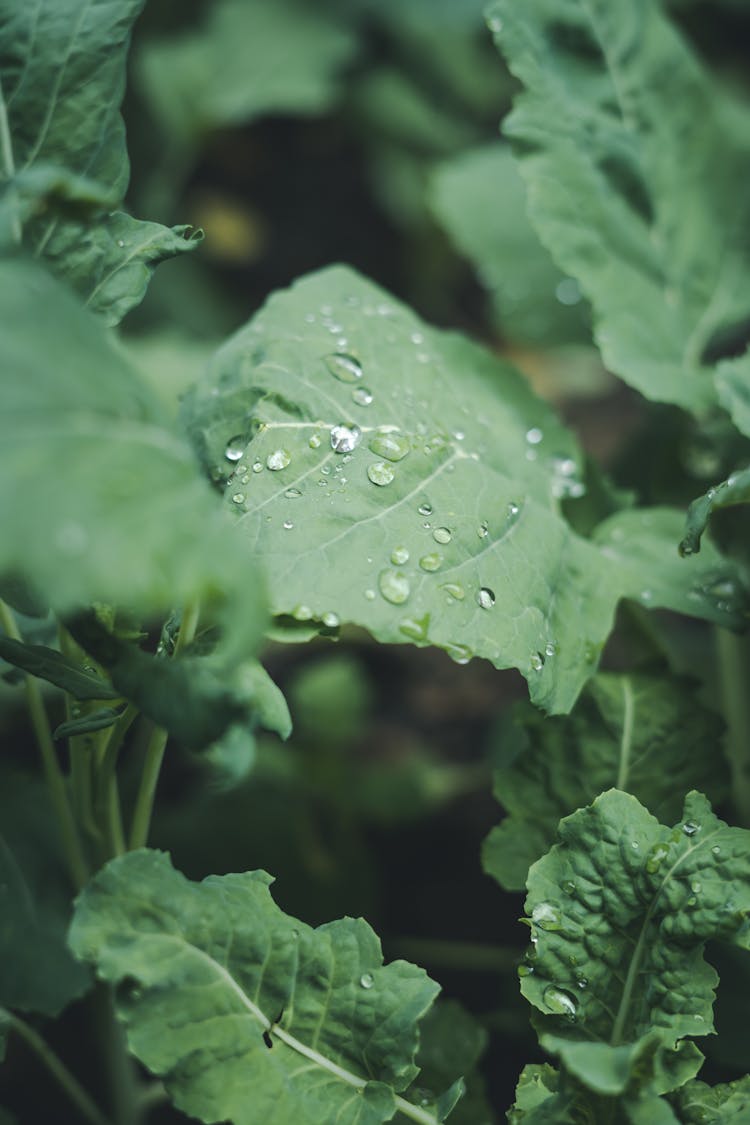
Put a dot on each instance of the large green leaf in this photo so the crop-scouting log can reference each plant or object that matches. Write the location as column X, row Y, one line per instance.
column 402, row 478
column 643, row 734
column 99, row 499
column 631, row 198
column 62, row 78
column 728, row 1104
column 247, row 1013
column 480, row 199
column 620, row 911
column 732, row 491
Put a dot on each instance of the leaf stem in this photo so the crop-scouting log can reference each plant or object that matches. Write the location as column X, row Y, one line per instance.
column 734, row 666
column 107, row 800
column 52, row 773
column 58, row 1070
column 626, row 739
column 8, row 163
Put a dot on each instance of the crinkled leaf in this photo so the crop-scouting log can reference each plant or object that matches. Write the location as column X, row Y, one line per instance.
column 610, row 1071
column 250, row 58
column 441, row 525
column 114, row 508
column 450, row 1047
column 62, row 66
column 643, row 734
column 620, row 911
column 728, row 1104
column 734, row 490
column 46, row 190
column 246, row 1013
column 631, row 200
column 480, row 199
column 49, row 664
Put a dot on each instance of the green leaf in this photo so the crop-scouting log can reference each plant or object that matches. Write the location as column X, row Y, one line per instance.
column 480, row 199
column 643, row 734
column 114, row 509
column 442, row 523
column 634, row 204
column 100, row 719
column 620, row 911
column 62, row 78
column 49, row 664
column 250, row 58
column 734, row 490
column 728, row 1104
column 245, row 1012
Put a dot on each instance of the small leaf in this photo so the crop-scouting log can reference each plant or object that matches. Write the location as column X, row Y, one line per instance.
column 49, row 664
column 245, row 1012
column 643, row 734
column 92, row 721
column 734, row 490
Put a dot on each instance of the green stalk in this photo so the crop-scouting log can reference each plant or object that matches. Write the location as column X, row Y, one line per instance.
column 144, row 804
column 107, row 799
column 8, row 163
column 121, row 1074
column 734, row 669
column 67, row 1081
column 52, row 773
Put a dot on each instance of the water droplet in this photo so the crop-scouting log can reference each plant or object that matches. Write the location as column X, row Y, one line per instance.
column 415, row 627
column 331, row 620
column 235, row 447
column 695, row 887
column 279, row 459
column 716, row 849
column 370, row 595
column 394, row 586
column 461, row 654
column 288, row 525
column 431, row 562
column 417, row 338
column 314, row 441
column 525, row 970
column 550, row 649
column 399, row 556
column 582, row 982
column 546, row 916
column 393, row 445
column 362, row 396
column 495, row 24
column 646, row 595
column 568, row 291
column 343, row 367
column 483, row 529
column 257, row 467
column 292, row 493
column 485, row 597
column 442, row 535
column 238, row 498
column 367, row 980
column 454, row 591
column 534, row 435
column 635, row 845
column 302, row 613
column 569, row 886
column 345, row 438
column 120, row 242
column 425, row 510
column 561, row 1003
column 380, row 473
column 513, row 509
column 656, row 857
column 690, row 827
column 536, row 661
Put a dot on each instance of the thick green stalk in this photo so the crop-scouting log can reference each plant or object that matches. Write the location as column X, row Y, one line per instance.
column 67, row 1081
column 8, row 163
column 52, row 773
column 107, row 800
column 734, row 669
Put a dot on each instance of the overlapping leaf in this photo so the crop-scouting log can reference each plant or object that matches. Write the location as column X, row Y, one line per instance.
column 245, row 1012
column 433, row 515
column 735, row 490
column 62, row 77
column 620, row 911
column 632, row 200
column 646, row 735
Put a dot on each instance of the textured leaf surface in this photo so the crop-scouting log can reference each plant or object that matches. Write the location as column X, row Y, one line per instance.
column 114, row 508
column 62, row 77
column 728, row 1104
column 436, row 520
column 247, row 1013
column 620, row 911
column 642, row 734
column 634, row 203
column 251, row 58
column 735, row 490
column 480, row 199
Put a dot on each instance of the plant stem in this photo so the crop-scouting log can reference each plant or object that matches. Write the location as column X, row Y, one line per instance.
column 107, row 801
column 8, row 163
column 144, row 804
column 59, row 1071
column 52, row 773
column 734, row 669
column 122, row 1078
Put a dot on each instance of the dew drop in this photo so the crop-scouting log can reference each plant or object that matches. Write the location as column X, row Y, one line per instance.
column 483, row 529
column 235, row 448
column 656, row 857
column 392, row 445
column 546, row 916
column 485, row 597
column 314, row 441
column 120, row 242
column 279, row 459
column 367, row 980
column 550, row 649
column 442, row 535
column 525, row 970
column 431, row 562
column 461, row 654
column 568, row 291
column 568, row 886
column 380, row 473
column 454, row 590
column 238, row 498
column 257, row 467
column 513, row 509
column 362, row 396
column 561, row 1003
column 292, row 493
column 399, row 556
column 536, row 661
column 302, row 613
column 394, row 586
column 425, row 510
column 416, row 628
column 342, row 366
column 690, row 827
column 646, row 595
column 635, row 845
column 495, row 24
column 716, row 849
column 582, row 982
column 331, row 620
column 534, row 435
column 370, row 595
column 695, row 887
column 345, row 438
column 288, row 525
